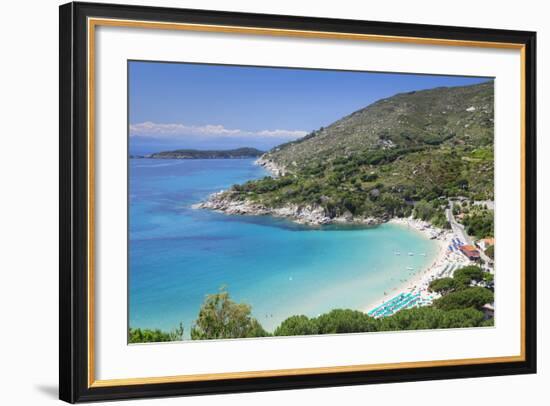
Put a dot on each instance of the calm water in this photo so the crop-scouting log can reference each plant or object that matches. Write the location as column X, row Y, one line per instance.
column 179, row 254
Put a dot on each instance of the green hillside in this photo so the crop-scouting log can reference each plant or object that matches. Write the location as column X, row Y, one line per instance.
column 450, row 116
column 380, row 161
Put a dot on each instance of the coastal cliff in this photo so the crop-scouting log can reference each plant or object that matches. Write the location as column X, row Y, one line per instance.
column 271, row 166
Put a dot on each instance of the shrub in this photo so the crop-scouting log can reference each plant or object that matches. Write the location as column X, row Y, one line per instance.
column 296, row 326
column 138, row 335
column 443, row 285
column 474, row 297
column 220, row 317
column 345, row 321
column 464, row 276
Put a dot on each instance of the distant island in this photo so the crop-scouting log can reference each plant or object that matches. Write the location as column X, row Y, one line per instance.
column 238, row 153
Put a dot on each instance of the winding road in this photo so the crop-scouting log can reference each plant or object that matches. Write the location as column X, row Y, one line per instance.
column 459, row 230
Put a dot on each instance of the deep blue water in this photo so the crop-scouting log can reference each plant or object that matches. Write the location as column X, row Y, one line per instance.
column 179, row 254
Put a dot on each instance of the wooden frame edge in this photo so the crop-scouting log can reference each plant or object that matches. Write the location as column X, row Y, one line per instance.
column 280, row 32
column 69, row 389
column 302, row 371
column 94, row 22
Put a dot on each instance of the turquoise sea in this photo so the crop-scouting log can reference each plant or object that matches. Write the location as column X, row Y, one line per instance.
column 178, row 254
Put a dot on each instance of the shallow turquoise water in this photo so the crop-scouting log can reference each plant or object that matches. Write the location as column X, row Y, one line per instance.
column 179, row 254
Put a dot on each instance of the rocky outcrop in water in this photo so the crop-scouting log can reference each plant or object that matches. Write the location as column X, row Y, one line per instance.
column 310, row 215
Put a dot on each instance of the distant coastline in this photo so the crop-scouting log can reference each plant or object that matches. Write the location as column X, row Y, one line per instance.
column 237, row 153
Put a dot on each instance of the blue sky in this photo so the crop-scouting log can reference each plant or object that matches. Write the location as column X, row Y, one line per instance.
column 175, row 105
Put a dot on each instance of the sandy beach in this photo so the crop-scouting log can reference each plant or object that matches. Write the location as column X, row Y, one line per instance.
column 444, row 264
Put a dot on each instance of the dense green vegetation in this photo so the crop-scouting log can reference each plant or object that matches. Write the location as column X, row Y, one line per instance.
column 351, row 321
column 220, row 317
column 433, row 212
column 480, row 223
column 205, row 154
column 430, row 317
column 138, row 335
column 474, row 297
column 336, row 321
column 412, row 150
column 459, row 306
column 466, row 275
column 477, row 219
column 443, row 285
column 462, row 279
column 297, row 325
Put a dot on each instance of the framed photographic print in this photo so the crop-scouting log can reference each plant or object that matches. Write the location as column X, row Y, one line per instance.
column 257, row 202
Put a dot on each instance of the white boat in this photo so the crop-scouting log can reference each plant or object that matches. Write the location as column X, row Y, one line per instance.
column 410, row 268
column 411, row 253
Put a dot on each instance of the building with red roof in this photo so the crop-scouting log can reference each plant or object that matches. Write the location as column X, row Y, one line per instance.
column 470, row 251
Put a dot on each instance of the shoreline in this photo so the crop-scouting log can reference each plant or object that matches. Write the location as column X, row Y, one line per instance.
column 444, row 264
column 311, row 215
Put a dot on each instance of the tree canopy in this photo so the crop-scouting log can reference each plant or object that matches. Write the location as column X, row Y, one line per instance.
column 468, row 274
column 474, row 297
column 425, row 318
column 138, row 335
column 296, row 326
column 221, row 317
column 480, row 223
column 345, row 321
column 443, row 285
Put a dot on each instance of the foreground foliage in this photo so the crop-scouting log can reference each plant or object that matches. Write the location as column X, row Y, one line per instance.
column 220, row 317
column 138, row 335
column 459, row 306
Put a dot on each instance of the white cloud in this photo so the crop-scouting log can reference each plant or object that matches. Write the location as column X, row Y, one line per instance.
column 282, row 133
column 148, row 129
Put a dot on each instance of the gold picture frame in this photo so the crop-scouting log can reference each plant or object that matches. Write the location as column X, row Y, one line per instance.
column 78, row 27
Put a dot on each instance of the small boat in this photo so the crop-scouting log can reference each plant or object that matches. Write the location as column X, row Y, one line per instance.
column 411, row 253
column 397, row 253
column 423, row 254
column 410, row 268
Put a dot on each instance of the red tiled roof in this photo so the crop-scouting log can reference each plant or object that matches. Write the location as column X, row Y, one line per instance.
column 470, row 250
